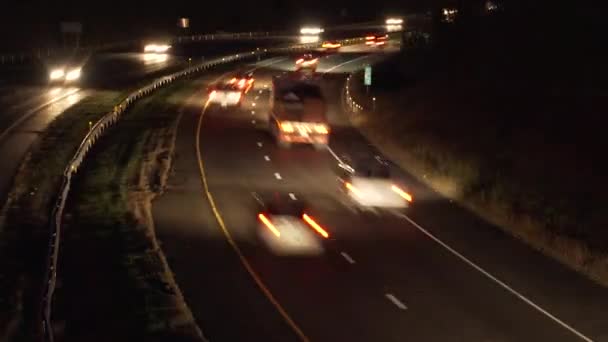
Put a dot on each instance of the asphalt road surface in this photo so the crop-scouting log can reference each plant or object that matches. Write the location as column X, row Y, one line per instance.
column 26, row 110
column 432, row 273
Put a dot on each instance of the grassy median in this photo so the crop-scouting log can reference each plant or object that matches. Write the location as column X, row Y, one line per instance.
column 24, row 231
column 111, row 260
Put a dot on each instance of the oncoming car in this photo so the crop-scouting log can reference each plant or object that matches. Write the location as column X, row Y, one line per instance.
column 65, row 74
column 225, row 94
column 368, row 183
column 308, row 61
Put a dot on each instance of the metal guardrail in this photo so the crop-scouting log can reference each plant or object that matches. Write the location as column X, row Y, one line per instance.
column 91, row 138
column 353, row 106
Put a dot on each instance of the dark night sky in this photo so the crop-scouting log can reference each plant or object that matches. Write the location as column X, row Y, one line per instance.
column 34, row 23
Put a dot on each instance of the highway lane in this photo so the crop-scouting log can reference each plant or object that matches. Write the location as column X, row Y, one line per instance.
column 374, row 264
column 26, row 110
column 460, row 307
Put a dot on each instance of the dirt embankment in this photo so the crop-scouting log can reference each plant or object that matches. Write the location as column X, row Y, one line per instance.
column 509, row 159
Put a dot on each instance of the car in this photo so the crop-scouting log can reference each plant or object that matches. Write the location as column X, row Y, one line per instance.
column 307, row 61
column 225, row 94
column 65, row 74
column 331, row 45
column 368, row 183
column 243, row 81
column 377, row 40
column 281, row 213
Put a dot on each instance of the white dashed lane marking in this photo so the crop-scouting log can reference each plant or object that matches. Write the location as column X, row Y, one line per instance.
column 266, row 158
column 347, row 257
column 277, row 175
column 260, row 144
column 395, row 301
column 292, row 196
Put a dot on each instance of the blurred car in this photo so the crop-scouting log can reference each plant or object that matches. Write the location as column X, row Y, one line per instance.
column 331, row 45
column 308, row 61
column 65, row 74
column 377, row 40
column 243, row 81
column 368, row 183
column 225, row 94
column 282, row 213
column 157, row 48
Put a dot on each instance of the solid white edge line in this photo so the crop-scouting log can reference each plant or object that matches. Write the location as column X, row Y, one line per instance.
column 334, row 154
column 347, row 257
column 277, row 176
column 266, row 158
column 292, row 196
column 38, row 109
column 395, row 301
column 497, row 281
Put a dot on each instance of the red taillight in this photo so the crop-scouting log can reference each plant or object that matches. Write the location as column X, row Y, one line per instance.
column 250, row 81
column 315, row 226
column 370, row 38
column 286, row 127
column 321, row 129
column 352, row 188
column 269, row 224
column 233, row 80
column 299, row 61
column 402, row 193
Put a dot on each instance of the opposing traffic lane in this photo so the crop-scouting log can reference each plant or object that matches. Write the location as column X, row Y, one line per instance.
column 27, row 110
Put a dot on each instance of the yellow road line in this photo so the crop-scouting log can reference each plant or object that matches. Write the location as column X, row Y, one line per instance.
column 236, row 248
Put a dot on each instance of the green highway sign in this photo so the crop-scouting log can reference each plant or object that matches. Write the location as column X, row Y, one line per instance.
column 367, row 80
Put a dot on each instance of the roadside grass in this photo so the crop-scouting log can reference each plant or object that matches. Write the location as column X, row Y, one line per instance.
column 111, row 260
column 24, row 230
column 507, row 157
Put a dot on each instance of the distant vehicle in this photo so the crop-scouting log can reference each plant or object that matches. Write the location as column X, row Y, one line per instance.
column 243, row 81
column 377, row 40
column 298, row 111
column 225, row 94
column 65, row 74
column 286, row 216
column 331, row 45
column 368, row 183
column 156, row 48
column 308, row 61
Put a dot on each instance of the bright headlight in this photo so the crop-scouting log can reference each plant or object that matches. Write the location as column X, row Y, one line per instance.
column 150, row 48
column 73, row 74
column 57, row 74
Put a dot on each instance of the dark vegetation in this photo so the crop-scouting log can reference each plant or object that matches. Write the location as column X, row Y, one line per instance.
column 510, row 106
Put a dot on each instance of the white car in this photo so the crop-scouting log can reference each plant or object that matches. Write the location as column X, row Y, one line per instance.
column 370, row 185
column 225, row 95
